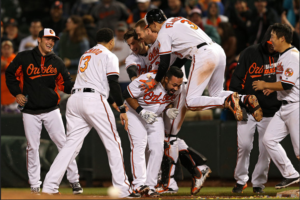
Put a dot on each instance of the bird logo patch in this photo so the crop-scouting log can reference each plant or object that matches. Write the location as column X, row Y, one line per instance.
column 51, row 31
column 288, row 72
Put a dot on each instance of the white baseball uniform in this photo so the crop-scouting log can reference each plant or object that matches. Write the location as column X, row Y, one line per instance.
column 139, row 61
column 87, row 108
column 142, row 134
column 208, row 62
column 286, row 120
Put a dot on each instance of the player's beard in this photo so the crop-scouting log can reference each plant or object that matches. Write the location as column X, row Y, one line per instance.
column 170, row 92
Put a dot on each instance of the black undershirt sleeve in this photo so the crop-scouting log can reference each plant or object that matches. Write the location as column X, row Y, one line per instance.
column 163, row 66
column 132, row 71
column 115, row 89
column 126, row 94
column 110, row 99
column 286, row 86
column 179, row 62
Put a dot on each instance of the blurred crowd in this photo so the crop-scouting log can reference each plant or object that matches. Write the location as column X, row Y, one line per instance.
column 234, row 24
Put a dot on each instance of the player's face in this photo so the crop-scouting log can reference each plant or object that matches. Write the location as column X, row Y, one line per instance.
column 154, row 27
column 150, row 36
column 134, row 45
column 7, row 50
column 140, row 33
column 46, row 44
column 173, row 84
column 275, row 41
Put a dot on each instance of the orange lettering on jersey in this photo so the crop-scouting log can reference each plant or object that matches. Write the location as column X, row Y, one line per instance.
column 87, row 58
column 193, row 26
column 94, row 50
column 279, row 69
column 34, row 72
column 255, row 71
column 169, row 25
column 151, row 98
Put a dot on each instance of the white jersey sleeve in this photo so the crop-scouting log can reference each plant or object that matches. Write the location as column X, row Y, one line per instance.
column 112, row 65
column 291, row 69
column 138, row 61
column 133, row 88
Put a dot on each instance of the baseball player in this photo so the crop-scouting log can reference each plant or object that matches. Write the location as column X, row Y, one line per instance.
column 257, row 62
column 38, row 74
column 146, row 126
column 208, row 62
column 98, row 72
column 173, row 144
column 286, row 119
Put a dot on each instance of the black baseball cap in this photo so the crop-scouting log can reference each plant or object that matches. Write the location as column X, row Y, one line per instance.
column 155, row 15
column 57, row 4
column 48, row 32
column 12, row 22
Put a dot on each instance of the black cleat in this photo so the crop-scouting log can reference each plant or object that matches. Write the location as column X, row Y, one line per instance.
column 258, row 190
column 76, row 187
column 142, row 189
column 287, row 182
column 238, row 188
column 134, row 195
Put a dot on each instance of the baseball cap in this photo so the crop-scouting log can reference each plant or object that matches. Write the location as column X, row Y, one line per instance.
column 196, row 10
column 47, row 32
column 7, row 42
column 155, row 15
column 12, row 22
column 142, row 1
column 121, row 26
column 57, row 4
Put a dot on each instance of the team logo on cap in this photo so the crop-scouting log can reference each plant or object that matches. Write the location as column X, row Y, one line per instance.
column 289, row 72
column 51, row 31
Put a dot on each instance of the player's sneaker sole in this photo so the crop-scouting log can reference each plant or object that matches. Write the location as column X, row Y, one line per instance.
column 287, row 182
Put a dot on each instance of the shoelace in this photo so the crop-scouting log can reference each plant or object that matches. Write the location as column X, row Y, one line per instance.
column 76, row 185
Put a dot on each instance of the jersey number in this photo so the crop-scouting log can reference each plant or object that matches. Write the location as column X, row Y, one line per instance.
column 193, row 26
column 87, row 58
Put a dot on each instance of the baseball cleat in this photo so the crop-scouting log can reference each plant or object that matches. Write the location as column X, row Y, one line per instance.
column 287, row 182
column 238, row 188
column 76, row 187
column 161, row 190
column 253, row 106
column 142, row 189
column 35, row 190
column 258, row 190
column 232, row 103
column 198, row 182
column 152, row 193
column 134, row 195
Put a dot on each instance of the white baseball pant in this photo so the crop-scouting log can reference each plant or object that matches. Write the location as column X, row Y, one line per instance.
column 56, row 130
column 85, row 111
column 284, row 122
column 141, row 135
column 207, row 70
column 245, row 137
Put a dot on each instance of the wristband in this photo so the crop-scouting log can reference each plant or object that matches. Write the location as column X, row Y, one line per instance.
column 122, row 109
column 139, row 109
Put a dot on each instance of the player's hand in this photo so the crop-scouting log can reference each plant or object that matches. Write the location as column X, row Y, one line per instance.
column 124, row 120
column 114, row 105
column 172, row 113
column 148, row 116
column 258, row 85
column 21, row 99
column 147, row 84
column 267, row 92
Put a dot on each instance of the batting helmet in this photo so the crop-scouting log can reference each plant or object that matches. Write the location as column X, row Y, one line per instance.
column 155, row 15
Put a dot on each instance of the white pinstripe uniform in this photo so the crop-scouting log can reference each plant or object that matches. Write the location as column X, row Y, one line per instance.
column 142, row 134
column 208, row 62
column 286, row 120
column 86, row 110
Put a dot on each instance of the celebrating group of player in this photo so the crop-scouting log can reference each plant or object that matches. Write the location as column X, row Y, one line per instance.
column 159, row 95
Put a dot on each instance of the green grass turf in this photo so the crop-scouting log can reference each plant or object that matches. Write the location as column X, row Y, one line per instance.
column 183, row 191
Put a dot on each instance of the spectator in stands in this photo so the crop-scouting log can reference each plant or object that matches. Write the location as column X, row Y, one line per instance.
column 83, row 7
column 108, row 13
column 195, row 17
column 156, row 3
column 122, row 50
column 143, row 6
column 204, row 6
column 8, row 101
column 56, row 20
column 213, row 15
column 228, row 40
column 175, row 9
column 90, row 28
column 12, row 33
column 289, row 6
column 72, row 44
column 262, row 18
column 240, row 19
column 30, row 42
column 296, row 39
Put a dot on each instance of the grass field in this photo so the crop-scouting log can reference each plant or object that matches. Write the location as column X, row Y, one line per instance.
column 183, row 193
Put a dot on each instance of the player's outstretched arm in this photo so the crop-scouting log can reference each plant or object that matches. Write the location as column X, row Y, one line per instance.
column 276, row 86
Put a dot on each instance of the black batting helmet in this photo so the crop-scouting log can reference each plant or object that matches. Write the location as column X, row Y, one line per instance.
column 155, row 15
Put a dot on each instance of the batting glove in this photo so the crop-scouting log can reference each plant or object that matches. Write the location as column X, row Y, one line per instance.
column 147, row 84
column 172, row 113
column 148, row 116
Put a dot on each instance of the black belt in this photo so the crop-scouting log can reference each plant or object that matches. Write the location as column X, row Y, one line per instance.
column 83, row 90
column 201, row 45
column 284, row 102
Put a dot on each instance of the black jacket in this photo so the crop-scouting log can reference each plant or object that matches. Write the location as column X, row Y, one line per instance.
column 39, row 77
column 256, row 63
